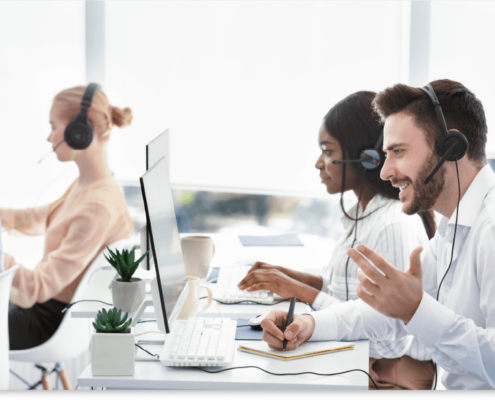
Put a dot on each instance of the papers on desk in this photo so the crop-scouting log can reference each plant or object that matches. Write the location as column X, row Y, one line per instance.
column 308, row 349
column 279, row 240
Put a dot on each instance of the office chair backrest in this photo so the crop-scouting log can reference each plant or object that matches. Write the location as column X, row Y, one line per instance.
column 5, row 282
column 73, row 335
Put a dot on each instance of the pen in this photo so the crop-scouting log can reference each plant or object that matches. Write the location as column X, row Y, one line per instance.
column 290, row 316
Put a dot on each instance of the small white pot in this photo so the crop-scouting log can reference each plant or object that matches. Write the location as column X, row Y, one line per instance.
column 112, row 353
column 128, row 295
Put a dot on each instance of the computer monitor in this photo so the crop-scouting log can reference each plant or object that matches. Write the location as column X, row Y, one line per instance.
column 171, row 279
column 158, row 148
column 155, row 150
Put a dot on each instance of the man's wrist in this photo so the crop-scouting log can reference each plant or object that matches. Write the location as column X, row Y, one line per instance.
column 411, row 314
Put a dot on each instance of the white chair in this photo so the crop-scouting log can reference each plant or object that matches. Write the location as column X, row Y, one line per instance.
column 5, row 282
column 72, row 337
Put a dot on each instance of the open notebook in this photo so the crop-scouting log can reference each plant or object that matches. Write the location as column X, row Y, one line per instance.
column 308, row 349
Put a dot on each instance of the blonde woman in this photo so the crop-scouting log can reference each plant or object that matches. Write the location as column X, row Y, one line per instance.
column 89, row 216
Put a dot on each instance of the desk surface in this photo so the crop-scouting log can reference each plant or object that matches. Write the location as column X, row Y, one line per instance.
column 229, row 250
column 152, row 375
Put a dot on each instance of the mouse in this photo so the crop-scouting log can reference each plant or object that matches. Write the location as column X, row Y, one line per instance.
column 255, row 322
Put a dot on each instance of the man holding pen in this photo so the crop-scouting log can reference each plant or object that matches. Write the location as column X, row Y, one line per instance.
column 458, row 328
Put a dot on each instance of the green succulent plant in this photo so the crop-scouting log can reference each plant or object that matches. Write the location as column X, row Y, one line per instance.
column 124, row 263
column 111, row 321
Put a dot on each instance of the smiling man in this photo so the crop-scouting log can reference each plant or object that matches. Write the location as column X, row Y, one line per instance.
column 445, row 302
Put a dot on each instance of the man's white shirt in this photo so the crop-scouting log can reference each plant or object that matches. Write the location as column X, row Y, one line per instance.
column 458, row 331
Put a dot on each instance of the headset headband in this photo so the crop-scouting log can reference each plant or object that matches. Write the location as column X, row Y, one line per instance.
column 438, row 109
column 88, row 96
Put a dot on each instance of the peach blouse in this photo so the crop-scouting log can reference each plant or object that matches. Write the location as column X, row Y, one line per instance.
column 77, row 227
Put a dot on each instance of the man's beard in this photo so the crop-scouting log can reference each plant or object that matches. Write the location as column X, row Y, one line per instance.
column 425, row 196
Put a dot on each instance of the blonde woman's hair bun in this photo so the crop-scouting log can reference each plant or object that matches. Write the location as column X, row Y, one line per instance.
column 121, row 117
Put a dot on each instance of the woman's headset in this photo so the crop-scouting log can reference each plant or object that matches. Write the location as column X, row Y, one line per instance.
column 79, row 132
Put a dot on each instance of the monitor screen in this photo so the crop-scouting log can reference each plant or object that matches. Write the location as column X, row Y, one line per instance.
column 156, row 149
column 164, row 238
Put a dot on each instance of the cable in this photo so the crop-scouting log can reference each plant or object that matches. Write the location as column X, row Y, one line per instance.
column 146, row 351
column 451, row 255
column 355, row 234
column 455, row 229
column 143, row 322
column 255, row 302
column 289, row 373
column 83, row 301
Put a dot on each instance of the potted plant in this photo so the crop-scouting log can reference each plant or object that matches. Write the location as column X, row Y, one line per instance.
column 112, row 345
column 127, row 292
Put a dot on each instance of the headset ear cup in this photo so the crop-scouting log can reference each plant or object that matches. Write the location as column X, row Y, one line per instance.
column 445, row 142
column 79, row 133
column 372, row 157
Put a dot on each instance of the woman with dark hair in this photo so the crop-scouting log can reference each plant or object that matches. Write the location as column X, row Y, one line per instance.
column 376, row 221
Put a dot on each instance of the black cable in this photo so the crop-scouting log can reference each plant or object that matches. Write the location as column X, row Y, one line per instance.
column 289, row 373
column 146, row 351
column 255, row 302
column 455, row 230
column 241, row 326
column 148, row 320
column 83, row 301
column 355, row 234
column 451, row 254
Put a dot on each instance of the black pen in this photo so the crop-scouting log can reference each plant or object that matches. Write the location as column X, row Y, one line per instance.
column 290, row 316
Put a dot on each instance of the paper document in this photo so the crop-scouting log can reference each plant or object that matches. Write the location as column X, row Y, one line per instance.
column 278, row 240
column 308, row 349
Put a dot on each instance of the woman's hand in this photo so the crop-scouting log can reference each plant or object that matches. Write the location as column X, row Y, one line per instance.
column 277, row 282
column 274, row 329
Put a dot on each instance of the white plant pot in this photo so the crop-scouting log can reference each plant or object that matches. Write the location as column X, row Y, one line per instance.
column 128, row 295
column 112, row 353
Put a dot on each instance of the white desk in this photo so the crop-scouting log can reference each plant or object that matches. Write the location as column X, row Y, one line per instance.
column 152, row 375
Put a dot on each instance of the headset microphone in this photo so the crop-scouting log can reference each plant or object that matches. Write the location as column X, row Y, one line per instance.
column 51, row 151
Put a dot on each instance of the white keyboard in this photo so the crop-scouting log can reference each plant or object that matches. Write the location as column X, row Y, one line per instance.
column 228, row 292
column 200, row 342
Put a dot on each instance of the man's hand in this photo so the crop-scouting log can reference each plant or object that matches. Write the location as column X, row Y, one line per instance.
column 298, row 332
column 272, row 279
column 396, row 294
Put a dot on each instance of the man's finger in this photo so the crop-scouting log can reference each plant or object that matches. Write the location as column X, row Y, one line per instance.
column 377, row 259
column 370, row 286
column 415, row 267
column 365, row 296
column 292, row 330
column 365, row 266
column 272, row 341
column 271, row 323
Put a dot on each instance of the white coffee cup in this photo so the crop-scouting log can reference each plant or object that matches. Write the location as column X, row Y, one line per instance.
column 198, row 252
column 190, row 306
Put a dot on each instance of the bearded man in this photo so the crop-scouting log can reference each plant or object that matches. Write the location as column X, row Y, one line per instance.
column 444, row 304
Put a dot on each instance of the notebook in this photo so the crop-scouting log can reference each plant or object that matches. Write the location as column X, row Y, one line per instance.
column 308, row 349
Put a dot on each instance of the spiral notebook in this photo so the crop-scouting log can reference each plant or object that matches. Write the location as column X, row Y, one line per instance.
column 308, row 349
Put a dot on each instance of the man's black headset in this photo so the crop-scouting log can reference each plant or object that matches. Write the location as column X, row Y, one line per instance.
column 369, row 159
column 452, row 145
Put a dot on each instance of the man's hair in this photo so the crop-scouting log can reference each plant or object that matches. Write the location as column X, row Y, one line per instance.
column 461, row 109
